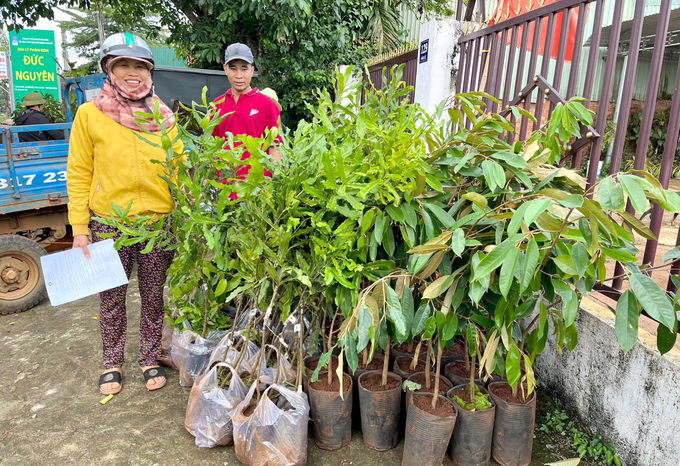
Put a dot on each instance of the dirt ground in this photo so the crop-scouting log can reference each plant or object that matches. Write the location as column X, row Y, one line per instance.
column 50, row 412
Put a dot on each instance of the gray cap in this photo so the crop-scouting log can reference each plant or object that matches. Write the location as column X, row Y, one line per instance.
column 238, row 51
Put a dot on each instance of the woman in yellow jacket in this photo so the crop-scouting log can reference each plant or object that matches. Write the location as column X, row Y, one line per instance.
column 108, row 163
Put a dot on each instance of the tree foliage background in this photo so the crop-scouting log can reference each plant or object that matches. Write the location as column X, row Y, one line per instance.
column 297, row 43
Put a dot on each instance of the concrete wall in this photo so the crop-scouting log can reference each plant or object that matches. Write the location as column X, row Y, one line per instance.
column 632, row 400
column 436, row 77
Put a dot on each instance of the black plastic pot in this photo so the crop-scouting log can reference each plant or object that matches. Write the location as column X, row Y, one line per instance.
column 513, row 431
column 380, row 413
column 473, row 434
column 455, row 378
column 198, row 359
column 356, row 418
column 332, row 415
column 427, row 436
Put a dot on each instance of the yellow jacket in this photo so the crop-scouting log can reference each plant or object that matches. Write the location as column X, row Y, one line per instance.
column 110, row 163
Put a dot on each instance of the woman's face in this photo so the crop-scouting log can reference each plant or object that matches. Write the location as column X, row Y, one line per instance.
column 132, row 73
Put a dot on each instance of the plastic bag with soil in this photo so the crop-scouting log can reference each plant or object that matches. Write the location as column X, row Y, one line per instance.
column 232, row 350
column 191, row 354
column 166, row 344
column 280, row 372
column 273, row 433
column 208, row 416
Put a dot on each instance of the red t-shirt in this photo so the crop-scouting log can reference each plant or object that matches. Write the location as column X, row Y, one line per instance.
column 253, row 114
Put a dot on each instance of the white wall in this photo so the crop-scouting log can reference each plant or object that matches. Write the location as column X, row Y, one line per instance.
column 632, row 400
column 436, row 77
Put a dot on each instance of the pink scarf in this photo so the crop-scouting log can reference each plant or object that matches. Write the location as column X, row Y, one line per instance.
column 120, row 104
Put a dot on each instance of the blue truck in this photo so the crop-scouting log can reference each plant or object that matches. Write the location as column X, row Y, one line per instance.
column 33, row 197
column 33, row 212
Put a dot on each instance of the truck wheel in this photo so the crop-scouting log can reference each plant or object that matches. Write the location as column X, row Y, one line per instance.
column 22, row 285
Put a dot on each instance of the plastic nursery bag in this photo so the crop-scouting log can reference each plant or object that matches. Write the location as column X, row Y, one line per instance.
column 166, row 344
column 210, row 407
column 274, row 434
column 232, row 355
column 281, row 372
column 191, row 354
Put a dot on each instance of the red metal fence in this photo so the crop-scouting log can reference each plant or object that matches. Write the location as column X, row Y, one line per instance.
column 503, row 60
column 410, row 61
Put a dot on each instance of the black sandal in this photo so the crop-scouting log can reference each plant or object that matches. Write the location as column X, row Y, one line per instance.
column 152, row 373
column 111, row 377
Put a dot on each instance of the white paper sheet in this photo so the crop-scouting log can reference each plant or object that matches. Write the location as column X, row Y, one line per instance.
column 69, row 275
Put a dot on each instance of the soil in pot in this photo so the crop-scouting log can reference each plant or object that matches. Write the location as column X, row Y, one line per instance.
column 419, row 378
column 453, row 353
column 331, row 414
column 428, row 431
column 380, row 407
column 513, row 431
column 402, row 366
column 473, row 434
column 456, row 372
column 311, row 364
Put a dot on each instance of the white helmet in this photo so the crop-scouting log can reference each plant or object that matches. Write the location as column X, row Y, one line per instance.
column 126, row 45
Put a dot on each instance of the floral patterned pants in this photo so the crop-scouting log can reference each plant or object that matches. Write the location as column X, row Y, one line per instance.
column 151, row 275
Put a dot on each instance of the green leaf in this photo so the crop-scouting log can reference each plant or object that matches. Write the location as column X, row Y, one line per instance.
column 672, row 254
column 494, row 259
column 221, row 287
column 476, row 198
column 530, row 264
column 618, row 255
column 534, row 209
column 351, row 353
column 516, row 219
column 422, row 314
column 566, row 264
column 443, row 216
column 450, row 328
column 635, row 193
column 395, row 213
column 407, row 307
column 367, row 221
column 410, row 216
column 512, row 365
column 388, row 241
column 665, row 339
column 627, row 316
column 397, row 318
column 508, row 271
column 653, row 300
column 364, row 328
column 610, row 195
column 430, row 328
column 458, row 242
column 579, row 254
column 379, row 229
column 569, row 301
column 489, row 174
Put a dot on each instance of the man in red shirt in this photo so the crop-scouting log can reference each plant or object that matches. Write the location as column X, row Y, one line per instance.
column 253, row 112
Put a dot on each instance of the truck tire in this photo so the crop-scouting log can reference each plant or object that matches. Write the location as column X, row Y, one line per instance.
column 22, row 284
